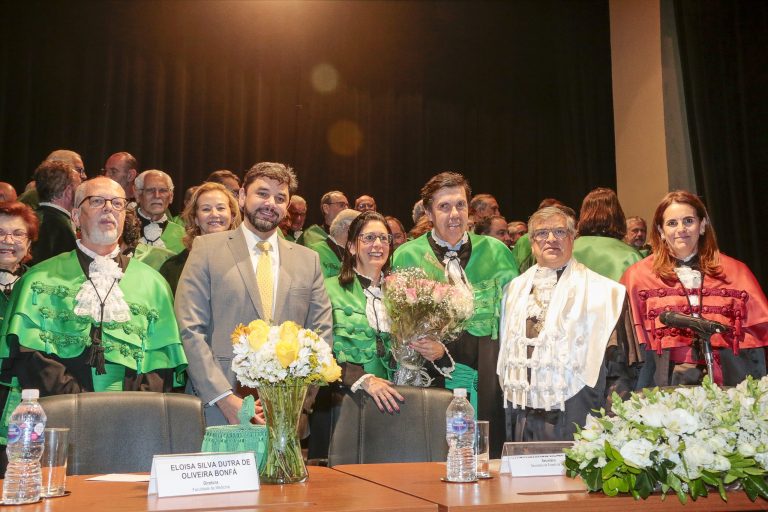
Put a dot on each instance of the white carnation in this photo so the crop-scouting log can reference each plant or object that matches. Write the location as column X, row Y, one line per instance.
column 680, row 421
column 637, row 453
column 653, row 415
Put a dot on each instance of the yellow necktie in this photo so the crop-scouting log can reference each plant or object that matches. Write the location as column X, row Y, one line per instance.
column 264, row 278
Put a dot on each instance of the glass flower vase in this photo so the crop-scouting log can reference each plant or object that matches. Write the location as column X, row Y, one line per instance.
column 282, row 408
column 410, row 366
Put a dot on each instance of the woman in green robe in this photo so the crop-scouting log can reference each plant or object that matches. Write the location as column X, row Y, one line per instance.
column 18, row 229
column 361, row 338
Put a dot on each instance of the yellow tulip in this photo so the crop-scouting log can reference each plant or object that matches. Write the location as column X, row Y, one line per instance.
column 287, row 351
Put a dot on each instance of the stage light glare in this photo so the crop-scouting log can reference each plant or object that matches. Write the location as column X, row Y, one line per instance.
column 324, row 78
column 345, row 137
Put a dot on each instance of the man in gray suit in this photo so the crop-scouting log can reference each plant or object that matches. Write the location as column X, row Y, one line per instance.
column 218, row 288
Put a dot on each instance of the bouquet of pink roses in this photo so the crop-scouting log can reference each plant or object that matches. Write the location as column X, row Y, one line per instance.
column 421, row 307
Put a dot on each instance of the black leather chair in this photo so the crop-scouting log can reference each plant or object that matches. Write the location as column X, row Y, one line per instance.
column 120, row 432
column 365, row 435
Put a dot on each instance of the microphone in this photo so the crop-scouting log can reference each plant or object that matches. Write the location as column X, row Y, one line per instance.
column 700, row 325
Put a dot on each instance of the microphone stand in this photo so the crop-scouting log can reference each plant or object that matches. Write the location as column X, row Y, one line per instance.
column 704, row 339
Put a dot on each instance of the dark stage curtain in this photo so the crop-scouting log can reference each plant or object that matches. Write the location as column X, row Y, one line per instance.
column 516, row 95
column 724, row 57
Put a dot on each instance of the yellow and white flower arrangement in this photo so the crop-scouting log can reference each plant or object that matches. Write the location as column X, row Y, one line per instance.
column 281, row 354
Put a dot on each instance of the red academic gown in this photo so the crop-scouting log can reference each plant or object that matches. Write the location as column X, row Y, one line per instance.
column 734, row 299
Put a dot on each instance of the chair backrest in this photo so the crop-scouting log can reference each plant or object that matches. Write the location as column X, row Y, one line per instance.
column 120, row 432
column 365, row 435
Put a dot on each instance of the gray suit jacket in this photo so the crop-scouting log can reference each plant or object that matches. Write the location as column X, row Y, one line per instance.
column 217, row 290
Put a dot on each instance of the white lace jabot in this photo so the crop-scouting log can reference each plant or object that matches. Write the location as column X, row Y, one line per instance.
column 102, row 285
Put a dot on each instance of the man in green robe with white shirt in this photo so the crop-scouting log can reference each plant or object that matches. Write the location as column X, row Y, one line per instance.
column 91, row 319
column 154, row 193
column 448, row 253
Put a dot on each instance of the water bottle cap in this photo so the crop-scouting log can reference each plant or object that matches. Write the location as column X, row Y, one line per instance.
column 460, row 392
column 30, row 394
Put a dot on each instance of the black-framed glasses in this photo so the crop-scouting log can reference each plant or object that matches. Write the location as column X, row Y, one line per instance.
column 343, row 204
column 118, row 203
column 540, row 235
column 370, row 238
column 16, row 236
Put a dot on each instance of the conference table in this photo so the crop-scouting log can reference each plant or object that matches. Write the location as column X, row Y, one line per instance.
column 380, row 488
column 541, row 494
column 325, row 490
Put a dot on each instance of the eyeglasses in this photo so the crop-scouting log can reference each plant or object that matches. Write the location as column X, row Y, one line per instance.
column 158, row 191
column 540, row 235
column 370, row 238
column 118, row 203
column 343, row 204
column 16, row 236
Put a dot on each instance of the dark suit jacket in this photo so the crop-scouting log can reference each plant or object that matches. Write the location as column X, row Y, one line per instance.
column 56, row 234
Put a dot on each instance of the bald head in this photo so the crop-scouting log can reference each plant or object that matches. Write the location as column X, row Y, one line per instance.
column 7, row 192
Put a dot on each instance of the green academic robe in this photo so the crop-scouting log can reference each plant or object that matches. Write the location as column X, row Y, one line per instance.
column 172, row 237
column 329, row 262
column 312, row 235
column 354, row 339
column 41, row 317
column 607, row 256
column 491, row 266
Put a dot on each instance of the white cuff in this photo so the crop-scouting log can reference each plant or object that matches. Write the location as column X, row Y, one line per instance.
column 445, row 371
column 359, row 382
column 213, row 402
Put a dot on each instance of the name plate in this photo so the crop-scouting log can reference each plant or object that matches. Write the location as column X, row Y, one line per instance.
column 203, row 473
column 534, row 459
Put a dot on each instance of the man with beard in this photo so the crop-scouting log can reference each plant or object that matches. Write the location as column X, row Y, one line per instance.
column 637, row 232
column 92, row 319
column 241, row 275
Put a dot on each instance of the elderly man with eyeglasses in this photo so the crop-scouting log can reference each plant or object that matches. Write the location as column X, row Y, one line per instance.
column 92, row 319
column 330, row 205
column 154, row 193
column 561, row 325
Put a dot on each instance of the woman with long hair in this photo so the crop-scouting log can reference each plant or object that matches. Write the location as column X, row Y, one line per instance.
column 211, row 208
column 361, row 337
column 601, row 229
column 688, row 274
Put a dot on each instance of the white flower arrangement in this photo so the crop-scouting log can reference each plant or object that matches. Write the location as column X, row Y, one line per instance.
column 686, row 441
column 284, row 354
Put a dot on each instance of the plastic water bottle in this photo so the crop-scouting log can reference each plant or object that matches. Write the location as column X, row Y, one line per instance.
column 460, row 434
column 23, row 477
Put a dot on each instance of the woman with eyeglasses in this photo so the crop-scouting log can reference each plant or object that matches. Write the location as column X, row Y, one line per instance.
column 361, row 338
column 688, row 274
column 18, row 229
column 212, row 208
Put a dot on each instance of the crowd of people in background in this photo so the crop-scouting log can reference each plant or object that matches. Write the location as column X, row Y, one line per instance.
column 103, row 288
